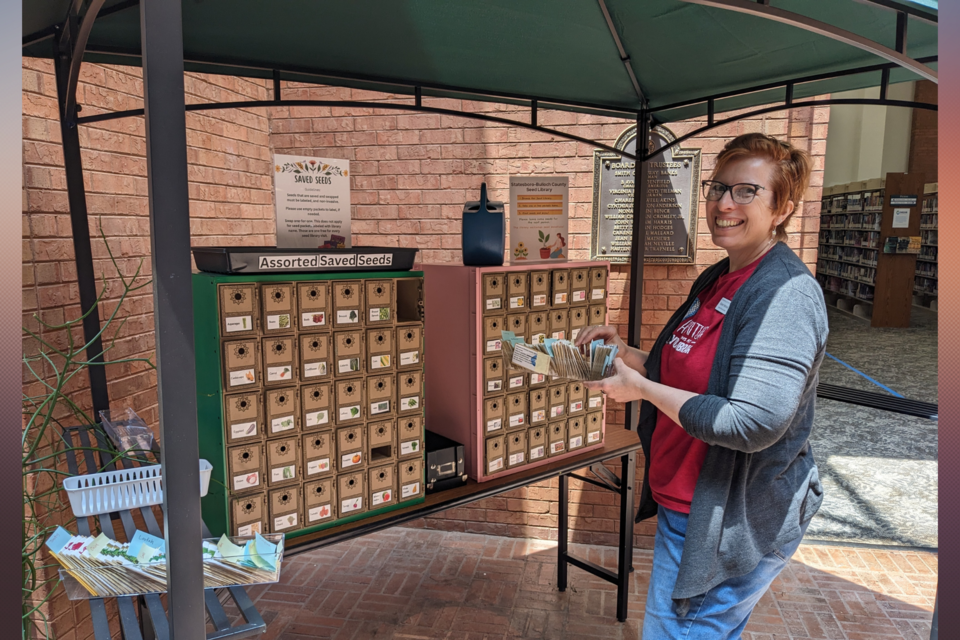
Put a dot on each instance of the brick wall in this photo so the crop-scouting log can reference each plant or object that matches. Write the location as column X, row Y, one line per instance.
column 923, row 133
column 230, row 202
column 413, row 172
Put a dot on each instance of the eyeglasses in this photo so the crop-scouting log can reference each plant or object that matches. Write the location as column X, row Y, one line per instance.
column 742, row 193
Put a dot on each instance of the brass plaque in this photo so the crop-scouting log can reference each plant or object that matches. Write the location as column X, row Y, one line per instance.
column 673, row 198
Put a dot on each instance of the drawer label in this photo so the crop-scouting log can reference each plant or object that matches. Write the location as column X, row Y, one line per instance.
column 560, row 298
column 380, row 407
column 285, row 522
column 238, row 323
column 579, row 296
column 349, row 413
column 556, row 447
column 318, row 513
column 314, row 369
column 351, row 459
column 494, row 385
column 411, row 446
column 493, row 345
column 558, row 335
column 576, row 406
column 243, row 429
column 279, row 474
column 277, row 374
column 539, row 300
column 348, row 365
column 538, row 416
column 381, row 497
column 494, row 425
column 379, row 362
column 351, row 504
column 315, row 418
column 536, row 452
column 284, row 423
column 576, row 441
column 597, row 294
column 242, row 377
column 537, row 378
column 313, row 319
column 408, row 490
column 538, row 338
column 246, row 481
column 556, row 412
column 516, row 302
column 595, row 403
column 412, row 402
column 250, row 529
column 516, row 382
column 349, row 316
column 379, row 314
column 318, row 466
column 495, row 465
column 277, row 322
column 516, row 458
column 493, row 303
column 410, row 357
column 593, row 436
column 516, row 420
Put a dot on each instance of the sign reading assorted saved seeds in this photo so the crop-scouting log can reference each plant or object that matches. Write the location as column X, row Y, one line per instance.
column 312, row 202
column 538, row 218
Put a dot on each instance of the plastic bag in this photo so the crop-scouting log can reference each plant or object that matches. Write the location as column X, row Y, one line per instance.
column 127, row 430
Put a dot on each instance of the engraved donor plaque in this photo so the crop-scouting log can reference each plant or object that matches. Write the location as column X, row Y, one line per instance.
column 673, row 196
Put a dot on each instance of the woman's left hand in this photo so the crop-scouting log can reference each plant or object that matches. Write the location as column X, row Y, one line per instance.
column 625, row 385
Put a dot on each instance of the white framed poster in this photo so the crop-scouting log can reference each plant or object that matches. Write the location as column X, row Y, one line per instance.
column 539, row 218
column 312, row 200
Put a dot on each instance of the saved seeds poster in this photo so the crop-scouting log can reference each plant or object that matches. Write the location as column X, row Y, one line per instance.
column 538, row 218
column 312, row 202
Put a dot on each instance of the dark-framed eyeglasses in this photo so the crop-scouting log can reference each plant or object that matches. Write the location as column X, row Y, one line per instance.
column 742, row 192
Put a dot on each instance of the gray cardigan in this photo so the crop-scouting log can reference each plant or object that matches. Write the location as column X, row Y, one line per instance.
column 759, row 483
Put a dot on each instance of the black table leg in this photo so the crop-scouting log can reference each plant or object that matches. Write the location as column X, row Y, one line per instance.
column 628, row 466
column 562, row 536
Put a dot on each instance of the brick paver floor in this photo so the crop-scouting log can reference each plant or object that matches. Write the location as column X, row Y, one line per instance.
column 415, row 584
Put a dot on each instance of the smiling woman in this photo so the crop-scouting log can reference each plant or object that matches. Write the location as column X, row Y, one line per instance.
column 728, row 393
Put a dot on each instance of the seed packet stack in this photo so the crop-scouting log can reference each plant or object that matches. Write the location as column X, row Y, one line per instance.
column 560, row 358
column 108, row 568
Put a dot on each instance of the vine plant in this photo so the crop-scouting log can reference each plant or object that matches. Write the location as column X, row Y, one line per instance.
column 53, row 368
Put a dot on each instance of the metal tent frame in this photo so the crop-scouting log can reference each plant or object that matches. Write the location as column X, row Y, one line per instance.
column 164, row 109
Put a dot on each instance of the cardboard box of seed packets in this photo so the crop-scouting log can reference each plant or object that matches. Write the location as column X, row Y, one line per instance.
column 99, row 567
column 560, row 358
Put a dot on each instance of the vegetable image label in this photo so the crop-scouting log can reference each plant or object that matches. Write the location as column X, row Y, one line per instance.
column 243, row 429
column 318, row 417
column 250, row 529
column 346, row 506
column 595, row 403
column 281, row 321
column 556, row 447
column 493, row 303
column 408, row 490
column 379, row 313
column 410, row 357
column 540, row 299
column 318, row 513
column 538, row 218
column 516, row 302
column 411, row 446
column 560, row 298
column 536, row 452
column 314, row 319
column 246, row 480
column 494, row 425
column 537, row 378
column 351, row 459
column 318, row 466
column 495, row 465
column 278, row 425
column 593, row 436
column 238, row 323
column 556, row 412
column 313, row 202
column 349, row 413
column 239, row 378
column 380, row 407
column 516, row 458
column 347, row 317
column 381, row 497
column 348, row 365
column 379, row 362
column 517, row 420
column 285, row 522
column 413, row 402
column 576, row 441
column 280, row 474
column 314, row 369
column 275, row 374
column 576, row 406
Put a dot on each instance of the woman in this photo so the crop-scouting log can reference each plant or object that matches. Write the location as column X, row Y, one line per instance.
column 728, row 393
column 556, row 249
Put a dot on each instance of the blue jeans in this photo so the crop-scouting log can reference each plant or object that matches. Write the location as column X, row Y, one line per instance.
column 719, row 614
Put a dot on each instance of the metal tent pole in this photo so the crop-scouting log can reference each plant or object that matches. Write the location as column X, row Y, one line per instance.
column 161, row 34
column 634, row 320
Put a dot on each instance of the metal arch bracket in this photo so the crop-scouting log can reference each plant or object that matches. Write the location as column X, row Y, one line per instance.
column 821, row 28
column 73, row 43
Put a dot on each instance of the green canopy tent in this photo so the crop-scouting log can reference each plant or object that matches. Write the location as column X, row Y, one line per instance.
column 652, row 61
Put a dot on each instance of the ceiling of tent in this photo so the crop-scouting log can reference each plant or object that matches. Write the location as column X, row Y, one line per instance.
column 553, row 50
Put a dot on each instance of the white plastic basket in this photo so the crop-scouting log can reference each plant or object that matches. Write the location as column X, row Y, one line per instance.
column 97, row 493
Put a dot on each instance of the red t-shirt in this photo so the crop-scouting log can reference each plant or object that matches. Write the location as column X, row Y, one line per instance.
column 685, row 363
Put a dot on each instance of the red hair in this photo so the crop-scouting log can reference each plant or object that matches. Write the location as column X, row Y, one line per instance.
column 791, row 170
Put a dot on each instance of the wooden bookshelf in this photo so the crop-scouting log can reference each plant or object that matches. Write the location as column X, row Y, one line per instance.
column 855, row 219
column 925, row 279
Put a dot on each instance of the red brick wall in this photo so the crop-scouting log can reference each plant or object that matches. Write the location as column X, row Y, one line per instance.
column 413, row 172
column 231, row 201
column 923, row 133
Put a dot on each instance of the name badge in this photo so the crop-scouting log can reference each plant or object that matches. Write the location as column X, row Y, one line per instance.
column 722, row 306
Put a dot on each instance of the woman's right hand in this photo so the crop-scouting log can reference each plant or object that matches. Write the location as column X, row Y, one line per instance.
column 606, row 333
